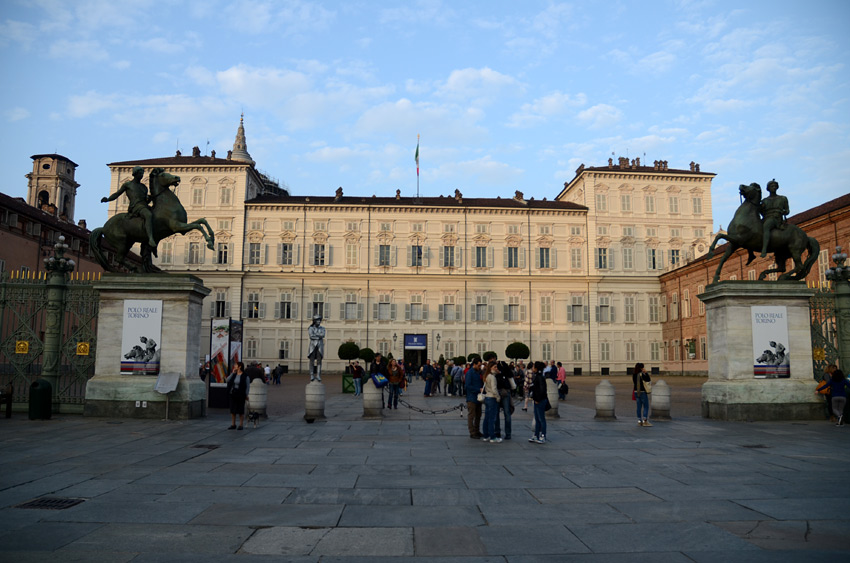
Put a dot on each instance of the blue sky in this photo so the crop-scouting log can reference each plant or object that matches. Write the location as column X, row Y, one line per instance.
column 506, row 95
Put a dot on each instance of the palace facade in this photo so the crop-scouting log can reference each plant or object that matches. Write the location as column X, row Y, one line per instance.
column 576, row 278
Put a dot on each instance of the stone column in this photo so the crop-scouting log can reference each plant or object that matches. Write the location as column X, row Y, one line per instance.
column 732, row 392
column 605, row 401
column 552, row 395
column 57, row 267
column 314, row 401
column 373, row 401
column 659, row 401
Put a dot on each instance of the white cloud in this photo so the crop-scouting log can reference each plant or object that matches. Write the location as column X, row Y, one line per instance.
column 17, row 114
column 478, row 84
column 90, row 103
column 482, row 170
column 264, row 87
column 288, row 17
column 418, row 13
column 121, row 65
column 544, row 108
column 600, row 116
column 21, row 33
column 403, row 118
column 84, row 50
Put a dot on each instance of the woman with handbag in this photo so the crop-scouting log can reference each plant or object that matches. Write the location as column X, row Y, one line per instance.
column 491, row 402
column 395, row 377
column 642, row 389
column 238, row 385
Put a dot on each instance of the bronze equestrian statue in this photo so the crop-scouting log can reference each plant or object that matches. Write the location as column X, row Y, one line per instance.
column 145, row 225
column 748, row 230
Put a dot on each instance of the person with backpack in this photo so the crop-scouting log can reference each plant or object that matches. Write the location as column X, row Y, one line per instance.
column 642, row 389
column 838, row 391
column 504, row 378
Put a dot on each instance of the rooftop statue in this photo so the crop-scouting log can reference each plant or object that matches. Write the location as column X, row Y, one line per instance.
column 760, row 225
column 143, row 223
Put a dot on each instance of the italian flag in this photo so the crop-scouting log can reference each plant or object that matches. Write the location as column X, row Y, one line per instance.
column 417, row 156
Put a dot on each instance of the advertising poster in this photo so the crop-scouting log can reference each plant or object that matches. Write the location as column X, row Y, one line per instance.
column 142, row 333
column 219, row 352
column 770, row 342
column 235, row 343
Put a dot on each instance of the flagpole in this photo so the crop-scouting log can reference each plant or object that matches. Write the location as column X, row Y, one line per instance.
column 417, row 168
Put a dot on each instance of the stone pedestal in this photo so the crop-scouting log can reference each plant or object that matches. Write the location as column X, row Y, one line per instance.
column 659, row 401
column 373, row 399
column 605, row 401
column 732, row 392
column 109, row 393
column 314, row 401
column 552, row 395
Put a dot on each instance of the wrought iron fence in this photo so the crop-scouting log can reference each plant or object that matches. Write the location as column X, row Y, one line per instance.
column 825, row 341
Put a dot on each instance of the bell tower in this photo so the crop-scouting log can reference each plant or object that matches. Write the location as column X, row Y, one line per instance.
column 52, row 187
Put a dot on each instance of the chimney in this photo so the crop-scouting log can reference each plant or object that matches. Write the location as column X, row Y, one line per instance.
column 519, row 197
column 692, row 166
column 81, row 223
column 610, row 163
column 696, row 167
column 196, row 151
column 229, row 155
column 212, row 154
column 580, row 169
column 338, row 195
column 458, row 196
column 398, row 194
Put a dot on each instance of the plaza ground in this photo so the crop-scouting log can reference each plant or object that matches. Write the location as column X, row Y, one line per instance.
column 413, row 485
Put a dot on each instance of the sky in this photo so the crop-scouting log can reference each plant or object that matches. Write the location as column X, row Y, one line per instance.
column 505, row 95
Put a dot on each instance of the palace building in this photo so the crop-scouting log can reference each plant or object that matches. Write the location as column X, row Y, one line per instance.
column 576, row 277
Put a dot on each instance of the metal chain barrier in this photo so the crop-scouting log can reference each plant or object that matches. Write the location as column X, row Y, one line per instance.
column 460, row 407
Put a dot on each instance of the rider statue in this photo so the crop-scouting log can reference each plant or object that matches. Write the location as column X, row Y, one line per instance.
column 774, row 210
column 316, row 351
column 137, row 193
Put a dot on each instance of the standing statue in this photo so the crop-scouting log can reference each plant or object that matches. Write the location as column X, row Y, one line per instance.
column 316, row 351
column 143, row 225
column 748, row 230
column 774, row 210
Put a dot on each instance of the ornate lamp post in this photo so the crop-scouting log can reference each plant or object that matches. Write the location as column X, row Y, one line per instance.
column 57, row 267
column 840, row 276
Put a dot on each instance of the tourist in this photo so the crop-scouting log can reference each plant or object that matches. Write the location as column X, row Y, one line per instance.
column 540, row 398
column 642, row 390
column 427, row 373
column 562, row 382
column 838, row 391
column 505, row 381
column 491, row 402
column 379, row 366
column 438, row 375
column 447, row 378
column 472, row 386
column 238, row 385
column 457, row 379
column 395, row 377
column 526, row 385
column 357, row 378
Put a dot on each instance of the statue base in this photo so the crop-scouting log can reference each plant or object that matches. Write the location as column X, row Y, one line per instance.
column 732, row 391
column 111, row 394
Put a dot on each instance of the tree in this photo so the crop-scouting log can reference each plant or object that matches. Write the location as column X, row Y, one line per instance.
column 441, row 362
column 517, row 351
column 367, row 355
column 460, row 360
column 489, row 355
column 472, row 356
column 348, row 351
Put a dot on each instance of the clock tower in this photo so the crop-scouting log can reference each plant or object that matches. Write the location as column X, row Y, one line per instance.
column 52, row 187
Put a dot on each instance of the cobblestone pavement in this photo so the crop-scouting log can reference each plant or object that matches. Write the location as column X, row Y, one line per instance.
column 414, row 486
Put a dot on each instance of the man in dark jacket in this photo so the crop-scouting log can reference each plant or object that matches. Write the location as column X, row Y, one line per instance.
column 474, row 385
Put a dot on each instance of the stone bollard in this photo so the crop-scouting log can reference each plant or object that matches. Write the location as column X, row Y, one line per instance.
column 552, row 395
column 314, row 401
column 373, row 399
column 605, row 401
column 659, row 400
column 258, row 397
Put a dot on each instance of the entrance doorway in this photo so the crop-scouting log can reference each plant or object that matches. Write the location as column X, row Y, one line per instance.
column 415, row 350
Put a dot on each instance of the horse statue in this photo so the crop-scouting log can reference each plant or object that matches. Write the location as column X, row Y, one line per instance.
column 168, row 217
column 746, row 231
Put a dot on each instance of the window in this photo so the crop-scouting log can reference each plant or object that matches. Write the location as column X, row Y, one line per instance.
column 384, row 310
column 416, row 256
column 601, row 258
column 733, row 277
column 686, row 304
column 628, row 230
column 417, row 227
column 544, row 229
column 449, row 311
column 352, row 226
column 576, row 310
column 226, row 195
column 664, row 309
column 283, row 350
column 481, row 309
column 255, row 253
column 604, row 312
column 628, row 258
column 631, row 351
column 257, row 225
column 251, row 348
column 513, row 310
column 546, row 308
column 384, row 255
column 546, row 351
column 319, row 255
column 575, row 230
column 654, row 309
column 447, row 257
column 194, row 253
column 386, row 227
column 544, row 258
column 651, row 232
column 481, row 347
column 601, row 202
column 166, row 252
column 605, row 351
column 222, row 253
column 384, row 347
column 674, row 257
column 699, row 232
column 287, row 254
column 575, row 258
column 674, row 204
column 649, row 203
column 702, row 347
column 701, row 306
column 450, row 349
column 697, row 201
column 676, row 350
column 224, row 224
column 220, row 307
column 320, row 226
column 286, row 307
column 653, row 261
column 513, row 229
column 751, row 275
column 602, row 230
column 674, row 306
column 416, row 310
column 319, row 305
column 351, row 255
column 480, row 256
column 253, row 307
column 289, row 225
column 481, row 228
column 512, row 257
column 351, row 309
column 577, row 353
column 654, row 351
column 449, row 228
column 675, row 233
column 666, row 353
column 625, row 202
column 198, row 196
column 629, row 309
column 823, row 265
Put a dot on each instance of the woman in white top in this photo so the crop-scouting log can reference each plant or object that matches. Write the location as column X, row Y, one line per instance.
column 491, row 403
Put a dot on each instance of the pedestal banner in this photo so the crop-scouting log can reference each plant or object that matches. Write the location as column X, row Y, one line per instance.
column 142, row 332
column 219, row 352
column 235, row 343
column 771, row 349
